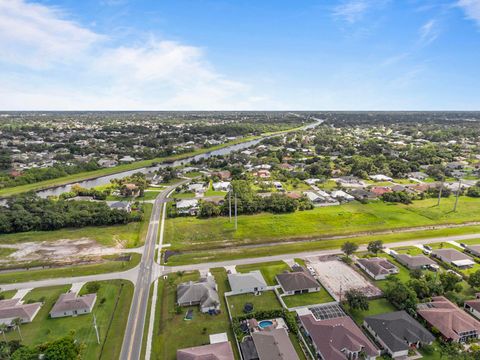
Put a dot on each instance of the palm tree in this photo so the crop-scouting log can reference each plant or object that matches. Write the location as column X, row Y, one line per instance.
column 3, row 330
column 16, row 323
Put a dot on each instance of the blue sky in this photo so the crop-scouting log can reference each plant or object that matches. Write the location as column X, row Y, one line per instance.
column 252, row 55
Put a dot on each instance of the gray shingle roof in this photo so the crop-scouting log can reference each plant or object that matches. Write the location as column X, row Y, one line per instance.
column 71, row 302
column 202, row 292
column 274, row 345
column 397, row 328
column 13, row 308
column 249, row 280
column 299, row 279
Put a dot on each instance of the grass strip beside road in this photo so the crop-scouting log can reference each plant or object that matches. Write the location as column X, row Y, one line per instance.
column 203, row 256
column 12, row 277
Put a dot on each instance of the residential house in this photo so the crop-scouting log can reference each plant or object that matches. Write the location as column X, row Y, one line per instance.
column 197, row 188
column 286, row 166
column 378, row 268
column 452, row 322
column 70, row 304
column 263, row 174
column 361, row 194
column 252, row 282
column 187, row 206
column 337, row 338
column 397, row 332
column 418, row 175
column 221, row 186
column 107, row 163
column 127, row 159
column 380, row 190
column 298, row 281
column 414, row 262
column 222, row 175
column 341, row 195
column 473, row 249
column 120, row 205
column 203, row 293
column 274, row 344
column 454, row 257
column 12, row 309
column 217, row 351
column 380, row 177
column 473, row 306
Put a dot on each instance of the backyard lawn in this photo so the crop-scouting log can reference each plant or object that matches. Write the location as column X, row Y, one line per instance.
column 376, row 307
column 129, row 235
column 269, row 270
column 111, row 319
column 314, row 298
column 266, row 301
column 172, row 332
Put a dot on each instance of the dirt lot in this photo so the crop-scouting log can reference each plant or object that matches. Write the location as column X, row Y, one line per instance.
column 337, row 277
column 65, row 250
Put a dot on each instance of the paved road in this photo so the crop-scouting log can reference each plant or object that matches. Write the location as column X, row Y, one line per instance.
column 286, row 257
column 132, row 341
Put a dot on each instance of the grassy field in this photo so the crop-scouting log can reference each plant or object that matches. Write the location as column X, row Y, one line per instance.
column 201, row 234
column 111, row 316
column 190, row 257
column 129, row 235
column 80, row 270
column 314, row 298
column 266, row 301
column 376, row 307
column 172, row 332
column 269, row 270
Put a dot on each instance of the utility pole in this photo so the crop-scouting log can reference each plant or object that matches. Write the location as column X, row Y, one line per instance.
column 96, row 328
column 440, row 191
column 236, row 215
column 458, row 194
column 230, row 206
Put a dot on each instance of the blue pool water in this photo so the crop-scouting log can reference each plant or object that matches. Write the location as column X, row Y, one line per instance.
column 265, row 323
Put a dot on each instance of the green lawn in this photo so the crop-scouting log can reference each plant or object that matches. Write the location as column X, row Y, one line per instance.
column 185, row 195
column 110, row 318
column 266, row 301
column 353, row 218
column 129, row 235
column 81, row 270
column 238, row 252
column 172, row 332
column 314, row 298
column 409, row 250
column 376, row 307
column 7, row 294
column 269, row 270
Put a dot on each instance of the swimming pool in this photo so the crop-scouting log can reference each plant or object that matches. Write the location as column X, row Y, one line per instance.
column 265, row 323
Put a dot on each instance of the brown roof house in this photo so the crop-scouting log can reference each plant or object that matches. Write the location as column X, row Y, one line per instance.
column 452, row 322
column 414, row 262
column 11, row 309
column 298, row 281
column 70, row 304
column 454, row 257
column 203, row 293
column 378, row 268
column 218, row 351
column 338, row 338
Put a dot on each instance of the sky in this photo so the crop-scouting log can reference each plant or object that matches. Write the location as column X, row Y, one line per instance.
column 239, row 55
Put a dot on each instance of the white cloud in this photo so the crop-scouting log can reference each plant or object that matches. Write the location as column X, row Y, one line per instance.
column 429, row 32
column 37, row 36
column 351, row 11
column 59, row 64
column 471, row 8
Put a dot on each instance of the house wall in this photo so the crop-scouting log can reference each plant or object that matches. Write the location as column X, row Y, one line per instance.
column 473, row 311
column 70, row 313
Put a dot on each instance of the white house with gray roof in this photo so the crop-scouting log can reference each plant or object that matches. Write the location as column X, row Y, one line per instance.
column 11, row 309
column 70, row 304
column 252, row 282
column 203, row 293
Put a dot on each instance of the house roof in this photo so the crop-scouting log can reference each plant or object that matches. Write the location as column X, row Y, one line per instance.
column 474, row 304
column 13, row 308
column 203, row 291
column 299, row 279
column 377, row 265
column 218, row 351
column 414, row 261
column 450, row 255
column 70, row 302
column 448, row 318
column 333, row 336
column 249, row 280
column 274, row 345
column 397, row 329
